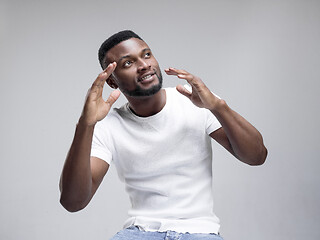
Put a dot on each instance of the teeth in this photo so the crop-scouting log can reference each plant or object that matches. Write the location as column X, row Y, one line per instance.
column 145, row 77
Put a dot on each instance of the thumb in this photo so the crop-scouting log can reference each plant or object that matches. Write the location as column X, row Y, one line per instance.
column 113, row 97
column 181, row 89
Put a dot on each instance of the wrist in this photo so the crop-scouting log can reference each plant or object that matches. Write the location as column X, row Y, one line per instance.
column 82, row 123
column 219, row 106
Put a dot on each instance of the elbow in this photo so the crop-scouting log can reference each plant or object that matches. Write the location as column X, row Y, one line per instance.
column 260, row 157
column 72, row 205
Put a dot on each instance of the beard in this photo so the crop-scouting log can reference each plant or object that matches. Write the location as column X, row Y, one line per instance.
column 140, row 92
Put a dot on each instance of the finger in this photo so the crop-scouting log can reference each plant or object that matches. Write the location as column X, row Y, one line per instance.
column 171, row 71
column 110, row 68
column 113, row 97
column 188, row 77
column 194, row 81
column 182, row 74
column 180, row 71
column 174, row 71
column 181, row 89
column 102, row 77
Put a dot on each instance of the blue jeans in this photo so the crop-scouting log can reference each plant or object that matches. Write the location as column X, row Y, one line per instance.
column 133, row 233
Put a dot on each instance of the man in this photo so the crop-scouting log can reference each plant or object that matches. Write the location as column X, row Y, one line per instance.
column 159, row 142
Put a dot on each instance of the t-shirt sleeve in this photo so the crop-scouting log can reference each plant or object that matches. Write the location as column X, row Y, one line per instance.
column 212, row 122
column 100, row 147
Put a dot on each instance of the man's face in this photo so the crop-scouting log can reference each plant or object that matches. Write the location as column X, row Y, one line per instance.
column 137, row 73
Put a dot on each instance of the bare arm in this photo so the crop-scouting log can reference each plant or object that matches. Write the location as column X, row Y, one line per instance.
column 241, row 139
column 237, row 135
column 82, row 175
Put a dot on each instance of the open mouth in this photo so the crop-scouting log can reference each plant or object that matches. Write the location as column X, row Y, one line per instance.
column 146, row 77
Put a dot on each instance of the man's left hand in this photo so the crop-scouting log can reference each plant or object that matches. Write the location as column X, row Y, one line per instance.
column 201, row 96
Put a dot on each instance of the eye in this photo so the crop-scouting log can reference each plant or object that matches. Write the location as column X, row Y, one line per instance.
column 147, row 54
column 127, row 63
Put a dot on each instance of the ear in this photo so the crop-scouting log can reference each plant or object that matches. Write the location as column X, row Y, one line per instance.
column 111, row 82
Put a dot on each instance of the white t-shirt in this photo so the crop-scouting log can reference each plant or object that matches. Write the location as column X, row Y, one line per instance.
column 165, row 161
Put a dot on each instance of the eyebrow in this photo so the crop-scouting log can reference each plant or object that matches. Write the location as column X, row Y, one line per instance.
column 128, row 56
column 146, row 49
column 125, row 56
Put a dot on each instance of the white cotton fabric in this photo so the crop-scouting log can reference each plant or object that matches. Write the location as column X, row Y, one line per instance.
column 165, row 161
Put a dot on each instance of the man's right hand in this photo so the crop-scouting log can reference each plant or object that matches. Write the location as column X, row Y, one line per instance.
column 95, row 108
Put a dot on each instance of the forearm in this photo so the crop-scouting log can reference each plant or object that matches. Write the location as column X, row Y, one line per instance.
column 245, row 140
column 76, row 177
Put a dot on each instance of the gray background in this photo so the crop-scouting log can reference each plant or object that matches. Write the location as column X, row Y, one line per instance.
column 261, row 56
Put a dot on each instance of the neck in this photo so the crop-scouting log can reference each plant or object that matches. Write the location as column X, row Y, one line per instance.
column 148, row 106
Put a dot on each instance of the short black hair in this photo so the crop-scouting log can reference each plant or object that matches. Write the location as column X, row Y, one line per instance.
column 112, row 41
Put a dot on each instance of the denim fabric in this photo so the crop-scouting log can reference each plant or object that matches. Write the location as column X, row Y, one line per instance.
column 133, row 233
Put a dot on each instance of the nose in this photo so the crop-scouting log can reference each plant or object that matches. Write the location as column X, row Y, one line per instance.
column 143, row 65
